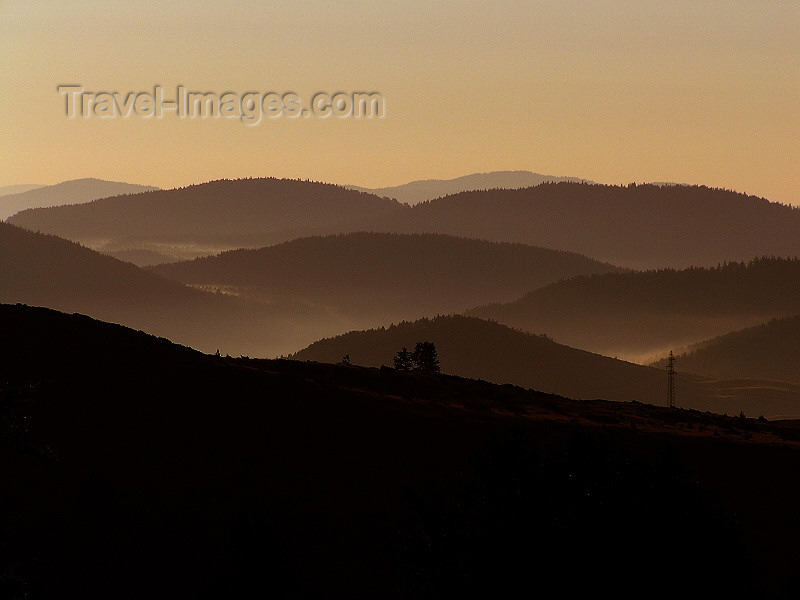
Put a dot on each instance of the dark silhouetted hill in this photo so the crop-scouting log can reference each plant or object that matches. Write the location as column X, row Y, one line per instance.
column 645, row 226
column 474, row 348
column 210, row 217
column 44, row 270
column 637, row 226
column 374, row 278
column 76, row 191
column 767, row 351
column 637, row 314
column 415, row 192
column 134, row 468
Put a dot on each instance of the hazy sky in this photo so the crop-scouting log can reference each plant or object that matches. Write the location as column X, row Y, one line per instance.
column 615, row 91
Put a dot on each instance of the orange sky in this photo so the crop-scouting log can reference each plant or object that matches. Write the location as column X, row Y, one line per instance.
column 616, row 91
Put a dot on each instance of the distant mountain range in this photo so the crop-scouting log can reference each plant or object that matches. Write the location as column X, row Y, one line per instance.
column 767, row 351
column 637, row 226
column 76, row 191
column 415, row 192
column 480, row 349
column 208, row 218
column 44, row 270
column 376, row 278
column 16, row 189
column 640, row 314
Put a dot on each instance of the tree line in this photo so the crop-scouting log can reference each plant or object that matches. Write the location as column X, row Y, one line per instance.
column 423, row 358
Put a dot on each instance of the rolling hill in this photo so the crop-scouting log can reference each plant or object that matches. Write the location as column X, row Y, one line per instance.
column 373, row 278
column 415, row 192
column 208, row 218
column 478, row 349
column 766, row 351
column 44, row 270
column 625, row 226
column 640, row 314
column 135, row 468
column 637, row 226
column 76, row 191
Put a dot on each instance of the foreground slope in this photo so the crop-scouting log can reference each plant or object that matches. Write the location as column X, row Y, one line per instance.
column 766, row 351
column 209, row 217
column 374, row 278
column 75, row 191
column 415, row 192
column 136, row 468
column 471, row 347
column 47, row 271
column 638, row 226
column 638, row 314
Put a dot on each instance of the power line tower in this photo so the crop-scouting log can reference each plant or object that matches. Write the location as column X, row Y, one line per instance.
column 671, row 380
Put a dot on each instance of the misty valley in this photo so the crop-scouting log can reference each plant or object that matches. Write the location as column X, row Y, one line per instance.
column 414, row 300
column 219, row 390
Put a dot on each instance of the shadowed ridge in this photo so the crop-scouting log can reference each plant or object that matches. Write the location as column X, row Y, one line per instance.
column 641, row 313
column 471, row 347
column 379, row 277
column 623, row 225
column 766, row 351
column 45, row 270
column 237, row 212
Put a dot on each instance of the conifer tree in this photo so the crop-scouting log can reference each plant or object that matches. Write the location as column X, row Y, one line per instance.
column 403, row 360
column 425, row 357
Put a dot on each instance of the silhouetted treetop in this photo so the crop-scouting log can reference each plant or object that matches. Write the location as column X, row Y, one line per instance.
column 403, row 360
column 425, row 357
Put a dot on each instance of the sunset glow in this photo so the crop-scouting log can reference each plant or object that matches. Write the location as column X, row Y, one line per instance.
column 704, row 93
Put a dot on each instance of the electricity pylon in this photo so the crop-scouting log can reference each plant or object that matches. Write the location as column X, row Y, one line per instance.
column 671, row 380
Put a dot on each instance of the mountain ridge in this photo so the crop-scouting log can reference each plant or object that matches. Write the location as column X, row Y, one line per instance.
column 621, row 225
column 479, row 349
column 765, row 351
column 44, row 270
column 384, row 276
column 422, row 190
column 638, row 313
column 73, row 191
column 207, row 218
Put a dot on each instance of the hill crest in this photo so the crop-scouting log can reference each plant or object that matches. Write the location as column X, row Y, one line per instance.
column 73, row 191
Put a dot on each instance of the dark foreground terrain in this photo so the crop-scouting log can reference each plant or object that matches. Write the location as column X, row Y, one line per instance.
column 135, row 468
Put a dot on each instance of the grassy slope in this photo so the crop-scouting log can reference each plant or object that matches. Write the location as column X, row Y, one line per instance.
column 173, row 474
column 475, row 348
